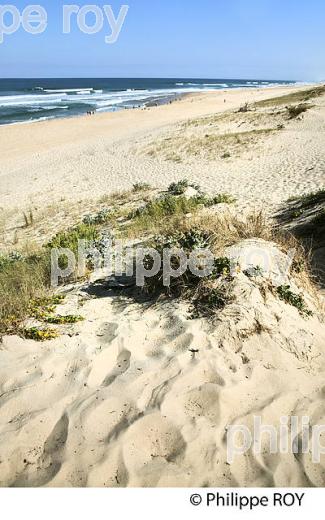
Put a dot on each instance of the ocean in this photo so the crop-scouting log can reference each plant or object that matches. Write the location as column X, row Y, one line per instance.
column 26, row 100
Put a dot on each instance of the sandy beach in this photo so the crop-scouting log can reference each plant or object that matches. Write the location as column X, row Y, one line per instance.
column 137, row 394
column 86, row 157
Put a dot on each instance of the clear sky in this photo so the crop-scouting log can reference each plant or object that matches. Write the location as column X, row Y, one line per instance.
column 262, row 39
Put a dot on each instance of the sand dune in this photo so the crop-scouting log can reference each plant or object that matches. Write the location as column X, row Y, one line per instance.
column 121, row 400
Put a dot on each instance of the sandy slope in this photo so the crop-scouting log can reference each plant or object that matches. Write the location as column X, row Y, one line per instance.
column 119, row 400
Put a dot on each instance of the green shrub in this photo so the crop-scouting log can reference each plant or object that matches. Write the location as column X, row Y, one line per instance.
column 69, row 239
column 164, row 207
column 206, row 294
column 10, row 259
column 296, row 300
column 222, row 267
column 188, row 240
column 180, row 187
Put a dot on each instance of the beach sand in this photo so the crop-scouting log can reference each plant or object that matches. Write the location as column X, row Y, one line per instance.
column 142, row 395
column 85, row 157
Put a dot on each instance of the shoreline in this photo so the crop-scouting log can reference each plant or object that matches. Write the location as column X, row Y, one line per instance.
column 169, row 99
column 172, row 99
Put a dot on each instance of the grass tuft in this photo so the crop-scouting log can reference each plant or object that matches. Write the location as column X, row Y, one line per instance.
column 20, row 283
column 140, row 186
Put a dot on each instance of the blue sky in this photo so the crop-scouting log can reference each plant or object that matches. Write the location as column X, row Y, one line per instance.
column 270, row 39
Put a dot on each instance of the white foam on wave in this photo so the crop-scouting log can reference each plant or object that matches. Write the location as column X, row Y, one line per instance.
column 223, row 85
column 29, row 99
column 69, row 90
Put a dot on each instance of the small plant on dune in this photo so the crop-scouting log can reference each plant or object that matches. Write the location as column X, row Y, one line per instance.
column 140, row 186
column 39, row 308
column 296, row 300
column 70, row 240
column 165, row 206
column 221, row 198
column 295, row 111
column 187, row 240
column 209, row 299
column 10, row 259
column 28, row 218
column 244, row 108
column 43, row 309
column 37, row 334
column 102, row 217
column 222, row 267
column 62, row 320
column 254, row 272
column 180, row 187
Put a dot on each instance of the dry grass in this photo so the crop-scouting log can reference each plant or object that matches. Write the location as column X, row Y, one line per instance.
column 2, row 225
column 295, row 97
column 209, row 145
column 38, row 225
column 295, row 111
column 20, row 283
